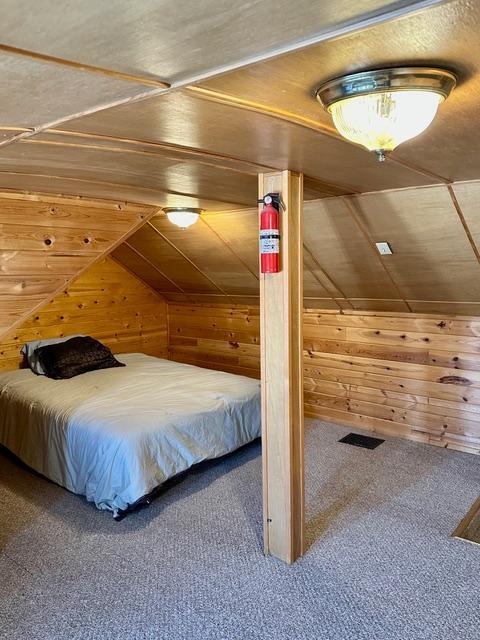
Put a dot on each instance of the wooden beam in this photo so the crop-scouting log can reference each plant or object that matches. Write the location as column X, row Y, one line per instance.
column 282, row 377
column 87, row 68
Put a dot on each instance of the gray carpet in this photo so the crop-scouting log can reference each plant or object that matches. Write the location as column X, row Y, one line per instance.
column 380, row 564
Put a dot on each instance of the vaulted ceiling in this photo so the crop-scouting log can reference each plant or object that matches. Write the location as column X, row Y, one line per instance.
column 162, row 104
column 185, row 103
column 434, row 233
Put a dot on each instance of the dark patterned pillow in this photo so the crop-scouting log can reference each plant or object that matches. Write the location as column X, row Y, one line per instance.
column 75, row 356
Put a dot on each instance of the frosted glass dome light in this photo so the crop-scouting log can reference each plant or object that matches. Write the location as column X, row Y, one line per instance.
column 381, row 121
column 381, row 109
column 183, row 217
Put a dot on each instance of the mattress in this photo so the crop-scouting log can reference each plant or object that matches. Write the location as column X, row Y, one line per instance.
column 116, row 434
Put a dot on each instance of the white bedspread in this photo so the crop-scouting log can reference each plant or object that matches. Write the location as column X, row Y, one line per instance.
column 114, row 435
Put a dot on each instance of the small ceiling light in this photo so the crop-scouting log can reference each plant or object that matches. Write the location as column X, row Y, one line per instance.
column 381, row 109
column 183, row 216
column 384, row 248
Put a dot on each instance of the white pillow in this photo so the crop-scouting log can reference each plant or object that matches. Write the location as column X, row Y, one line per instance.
column 28, row 350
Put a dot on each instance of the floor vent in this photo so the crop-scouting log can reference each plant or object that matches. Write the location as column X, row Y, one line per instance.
column 366, row 442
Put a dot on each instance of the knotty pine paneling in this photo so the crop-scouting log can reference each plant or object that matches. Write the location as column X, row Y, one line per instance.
column 46, row 241
column 408, row 375
column 106, row 302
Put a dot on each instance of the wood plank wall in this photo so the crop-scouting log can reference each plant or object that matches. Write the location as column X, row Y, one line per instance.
column 415, row 376
column 106, row 302
column 46, row 241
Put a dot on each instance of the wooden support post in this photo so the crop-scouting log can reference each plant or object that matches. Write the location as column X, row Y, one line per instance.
column 281, row 322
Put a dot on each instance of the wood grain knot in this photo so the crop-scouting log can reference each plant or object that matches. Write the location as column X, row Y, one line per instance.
column 455, row 380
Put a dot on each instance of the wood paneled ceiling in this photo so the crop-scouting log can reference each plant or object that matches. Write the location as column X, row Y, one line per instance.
column 190, row 119
column 125, row 99
column 435, row 267
column 178, row 41
column 185, row 104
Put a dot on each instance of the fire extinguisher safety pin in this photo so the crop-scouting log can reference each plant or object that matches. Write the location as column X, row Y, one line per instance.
column 274, row 199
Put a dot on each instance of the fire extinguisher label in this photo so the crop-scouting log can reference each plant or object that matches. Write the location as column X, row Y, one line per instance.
column 269, row 241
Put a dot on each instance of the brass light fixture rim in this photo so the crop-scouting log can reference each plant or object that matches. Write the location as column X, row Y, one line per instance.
column 183, row 209
column 430, row 79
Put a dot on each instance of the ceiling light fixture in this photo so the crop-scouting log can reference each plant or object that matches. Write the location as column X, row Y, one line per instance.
column 381, row 109
column 183, row 216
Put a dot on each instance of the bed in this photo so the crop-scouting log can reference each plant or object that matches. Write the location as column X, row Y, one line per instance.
column 114, row 435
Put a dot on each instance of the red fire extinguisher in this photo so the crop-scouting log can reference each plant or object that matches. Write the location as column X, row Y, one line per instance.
column 270, row 233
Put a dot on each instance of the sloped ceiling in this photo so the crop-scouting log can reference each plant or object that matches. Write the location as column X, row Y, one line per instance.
column 185, row 104
column 434, row 232
column 47, row 241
